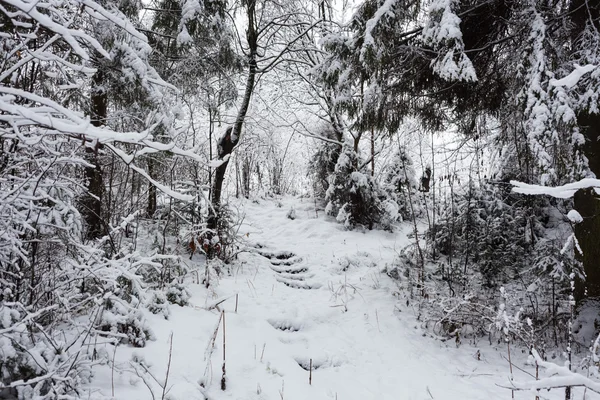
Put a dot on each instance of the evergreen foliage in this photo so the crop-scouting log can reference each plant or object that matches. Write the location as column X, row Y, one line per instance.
column 354, row 198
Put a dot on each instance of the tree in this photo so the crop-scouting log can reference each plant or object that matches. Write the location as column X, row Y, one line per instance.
column 53, row 55
column 193, row 47
column 459, row 68
column 275, row 30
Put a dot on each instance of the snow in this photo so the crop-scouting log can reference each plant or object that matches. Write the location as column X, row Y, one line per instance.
column 363, row 337
column 560, row 192
column 442, row 32
column 574, row 217
column 573, row 78
column 385, row 9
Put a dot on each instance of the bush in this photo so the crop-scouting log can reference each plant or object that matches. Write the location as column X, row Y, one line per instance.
column 400, row 181
column 157, row 303
column 354, row 198
column 291, row 214
column 322, row 164
column 125, row 322
column 178, row 294
column 28, row 352
column 486, row 227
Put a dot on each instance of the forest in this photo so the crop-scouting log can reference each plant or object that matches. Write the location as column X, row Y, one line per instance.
column 358, row 199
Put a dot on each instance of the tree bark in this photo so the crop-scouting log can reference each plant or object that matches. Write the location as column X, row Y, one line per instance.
column 586, row 201
column 232, row 135
column 246, row 178
column 151, row 206
column 92, row 201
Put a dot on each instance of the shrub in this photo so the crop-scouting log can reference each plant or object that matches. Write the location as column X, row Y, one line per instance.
column 178, row 294
column 125, row 322
column 354, row 198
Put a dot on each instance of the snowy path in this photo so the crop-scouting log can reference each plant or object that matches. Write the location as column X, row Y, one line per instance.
column 300, row 298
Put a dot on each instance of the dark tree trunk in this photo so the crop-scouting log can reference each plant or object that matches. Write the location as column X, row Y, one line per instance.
column 587, row 202
column 151, row 206
column 246, row 178
column 232, row 136
column 92, row 201
column 225, row 148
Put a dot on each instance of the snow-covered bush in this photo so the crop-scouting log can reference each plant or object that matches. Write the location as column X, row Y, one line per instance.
column 354, row 198
column 358, row 260
column 400, row 181
column 157, row 303
column 291, row 214
column 221, row 243
column 120, row 320
column 322, row 164
column 28, row 351
column 488, row 228
column 178, row 294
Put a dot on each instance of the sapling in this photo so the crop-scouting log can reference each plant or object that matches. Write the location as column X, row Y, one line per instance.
column 508, row 324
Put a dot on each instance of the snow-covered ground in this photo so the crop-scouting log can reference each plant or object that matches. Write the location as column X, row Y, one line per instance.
column 301, row 296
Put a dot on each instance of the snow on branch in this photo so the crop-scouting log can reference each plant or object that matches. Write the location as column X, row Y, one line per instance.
column 71, row 36
column 442, row 32
column 166, row 190
column 386, row 8
column 31, row 9
column 560, row 192
column 560, row 377
column 60, row 120
column 573, row 78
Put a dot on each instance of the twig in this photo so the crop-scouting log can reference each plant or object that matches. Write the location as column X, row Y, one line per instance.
column 511, row 366
column 560, row 377
column 164, row 391
column 215, row 304
column 112, row 376
column 223, row 379
column 429, row 391
column 210, row 347
column 519, row 368
column 310, row 372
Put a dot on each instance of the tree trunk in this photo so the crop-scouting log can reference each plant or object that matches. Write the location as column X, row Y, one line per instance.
column 372, row 152
column 225, row 148
column 92, row 201
column 232, row 135
column 246, row 178
column 151, row 206
column 587, row 202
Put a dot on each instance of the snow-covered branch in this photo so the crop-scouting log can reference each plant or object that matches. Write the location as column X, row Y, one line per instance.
column 560, row 377
column 560, row 192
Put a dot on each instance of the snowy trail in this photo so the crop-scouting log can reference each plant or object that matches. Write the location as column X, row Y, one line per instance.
column 300, row 300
